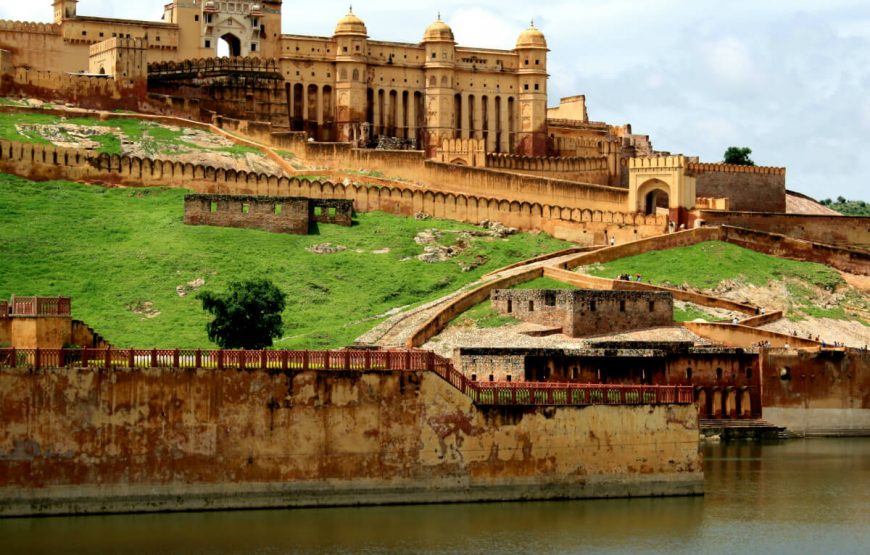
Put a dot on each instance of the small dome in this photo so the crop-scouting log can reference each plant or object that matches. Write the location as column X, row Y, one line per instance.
column 438, row 32
column 351, row 25
column 532, row 38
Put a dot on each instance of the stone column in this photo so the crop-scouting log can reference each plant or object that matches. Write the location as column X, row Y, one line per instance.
column 412, row 116
column 400, row 115
column 319, row 105
column 491, row 124
column 376, row 124
column 504, row 145
column 466, row 132
column 477, row 124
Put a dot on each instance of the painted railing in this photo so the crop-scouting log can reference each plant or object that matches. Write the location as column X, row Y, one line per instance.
column 40, row 306
column 480, row 393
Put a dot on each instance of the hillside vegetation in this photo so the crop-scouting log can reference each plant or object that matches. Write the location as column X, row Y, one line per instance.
column 122, row 254
column 848, row 207
column 803, row 289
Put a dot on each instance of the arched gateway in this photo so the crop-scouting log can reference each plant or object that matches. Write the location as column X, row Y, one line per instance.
column 661, row 182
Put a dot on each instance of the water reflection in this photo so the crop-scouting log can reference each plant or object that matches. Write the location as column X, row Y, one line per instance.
column 808, row 496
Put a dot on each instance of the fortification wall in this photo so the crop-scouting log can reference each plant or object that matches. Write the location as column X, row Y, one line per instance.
column 41, row 45
column 750, row 188
column 278, row 215
column 846, row 231
column 44, row 162
column 82, row 440
column 824, row 392
column 855, row 261
column 592, row 169
column 90, row 92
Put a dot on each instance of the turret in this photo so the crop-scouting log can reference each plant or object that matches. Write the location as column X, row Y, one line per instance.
column 439, row 69
column 531, row 50
column 64, row 9
column 351, row 45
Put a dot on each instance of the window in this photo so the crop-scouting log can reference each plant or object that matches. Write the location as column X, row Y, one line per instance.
column 474, row 377
column 213, row 207
column 491, row 377
column 749, row 373
column 689, row 374
column 652, row 306
column 246, row 208
column 318, row 211
column 550, row 298
column 509, row 378
column 253, row 47
column 433, row 55
column 208, row 44
column 622, row 306
column 101, row 34
column 718, row 373
column 537, row 87
column 344, row 49
column 196, row 17
column 84, row 33
column 510, row 307
column 531, row 306
column 526, row 86
column 278, row 209
column 332, row 212
column 592, row 306
column 527, row 62
column 537, row 62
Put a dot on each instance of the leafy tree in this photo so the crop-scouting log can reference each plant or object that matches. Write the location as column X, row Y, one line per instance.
column 739, row 156
column 247, row 316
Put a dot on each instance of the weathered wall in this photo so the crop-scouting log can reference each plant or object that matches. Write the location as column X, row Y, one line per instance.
column 88, row 440
column 44, row 332
column 586, row 313
column 278, row 215
column 821, row 393
column 847, row 231
column 750, row 188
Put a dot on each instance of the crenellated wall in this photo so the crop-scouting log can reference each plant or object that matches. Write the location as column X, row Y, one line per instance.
column 751, row 188
column 44, row 162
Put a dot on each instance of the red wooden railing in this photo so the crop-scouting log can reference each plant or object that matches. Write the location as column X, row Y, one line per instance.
column 480, row 393
column 40, row 306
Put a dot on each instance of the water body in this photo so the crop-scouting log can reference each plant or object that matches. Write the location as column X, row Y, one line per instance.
column 794, row 497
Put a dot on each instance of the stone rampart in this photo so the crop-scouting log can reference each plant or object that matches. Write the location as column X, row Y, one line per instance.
column 759, row 189
column 176, row 439
column 44, row 162
column 845, row 231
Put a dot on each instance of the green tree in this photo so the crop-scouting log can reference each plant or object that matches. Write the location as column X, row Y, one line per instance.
column 247, row 316
column 739, row 156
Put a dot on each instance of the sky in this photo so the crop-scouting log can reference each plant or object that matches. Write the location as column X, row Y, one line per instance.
column 788, row 78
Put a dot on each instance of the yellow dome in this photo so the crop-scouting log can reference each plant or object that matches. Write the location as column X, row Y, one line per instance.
column 532, row 38
column 438, row 32
column 351, row 25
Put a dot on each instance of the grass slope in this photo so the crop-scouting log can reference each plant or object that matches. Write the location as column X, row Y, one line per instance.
column 704, row 266
column 113, row 250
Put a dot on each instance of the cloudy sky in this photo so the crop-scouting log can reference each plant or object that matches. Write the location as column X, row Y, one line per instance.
column 788, row 78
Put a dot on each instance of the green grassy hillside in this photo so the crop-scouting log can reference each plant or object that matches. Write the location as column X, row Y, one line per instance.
column 810, row 289
column 121, row 253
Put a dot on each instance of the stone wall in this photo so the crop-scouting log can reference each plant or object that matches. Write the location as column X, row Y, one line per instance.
column 45, row 162
column 845, row 231
column 823, row 392
column 585, row 313
column 750, row 188
column 275, row 214
column 82, row 440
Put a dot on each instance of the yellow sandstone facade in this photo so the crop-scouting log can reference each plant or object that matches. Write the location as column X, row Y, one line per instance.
column 346, row 86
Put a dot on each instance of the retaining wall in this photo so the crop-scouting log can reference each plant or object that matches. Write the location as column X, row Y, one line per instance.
column 845, row 231
column 86, row 440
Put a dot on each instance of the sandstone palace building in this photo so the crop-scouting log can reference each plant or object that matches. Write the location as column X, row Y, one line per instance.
column 340, row 88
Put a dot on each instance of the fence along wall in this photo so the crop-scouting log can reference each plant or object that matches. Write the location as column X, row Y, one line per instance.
column 185, row 439
column 45, row 162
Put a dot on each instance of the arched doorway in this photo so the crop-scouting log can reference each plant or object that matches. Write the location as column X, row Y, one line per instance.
column 653, row 195
column 229, row 46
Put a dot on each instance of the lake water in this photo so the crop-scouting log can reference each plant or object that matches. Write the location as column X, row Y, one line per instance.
column 793, row 497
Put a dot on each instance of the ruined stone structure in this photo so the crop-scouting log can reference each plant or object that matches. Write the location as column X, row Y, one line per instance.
column 143, row 430
column 584, row 312
column 276, row 214
column 45, row 323
column 726, row 381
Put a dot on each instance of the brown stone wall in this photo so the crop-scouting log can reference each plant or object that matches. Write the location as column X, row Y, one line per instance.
column 823, row 392
column 846, row 231
column 275, row 214
column 586, row 313
column 40, row 331
column 89, row 440
column 747, row 188
column 5, row 330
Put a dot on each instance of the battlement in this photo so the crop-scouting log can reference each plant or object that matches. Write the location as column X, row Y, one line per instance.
column 654, row 162
column 466, row 152
column 546, row 164
column 699, row 167
column 29, row 27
